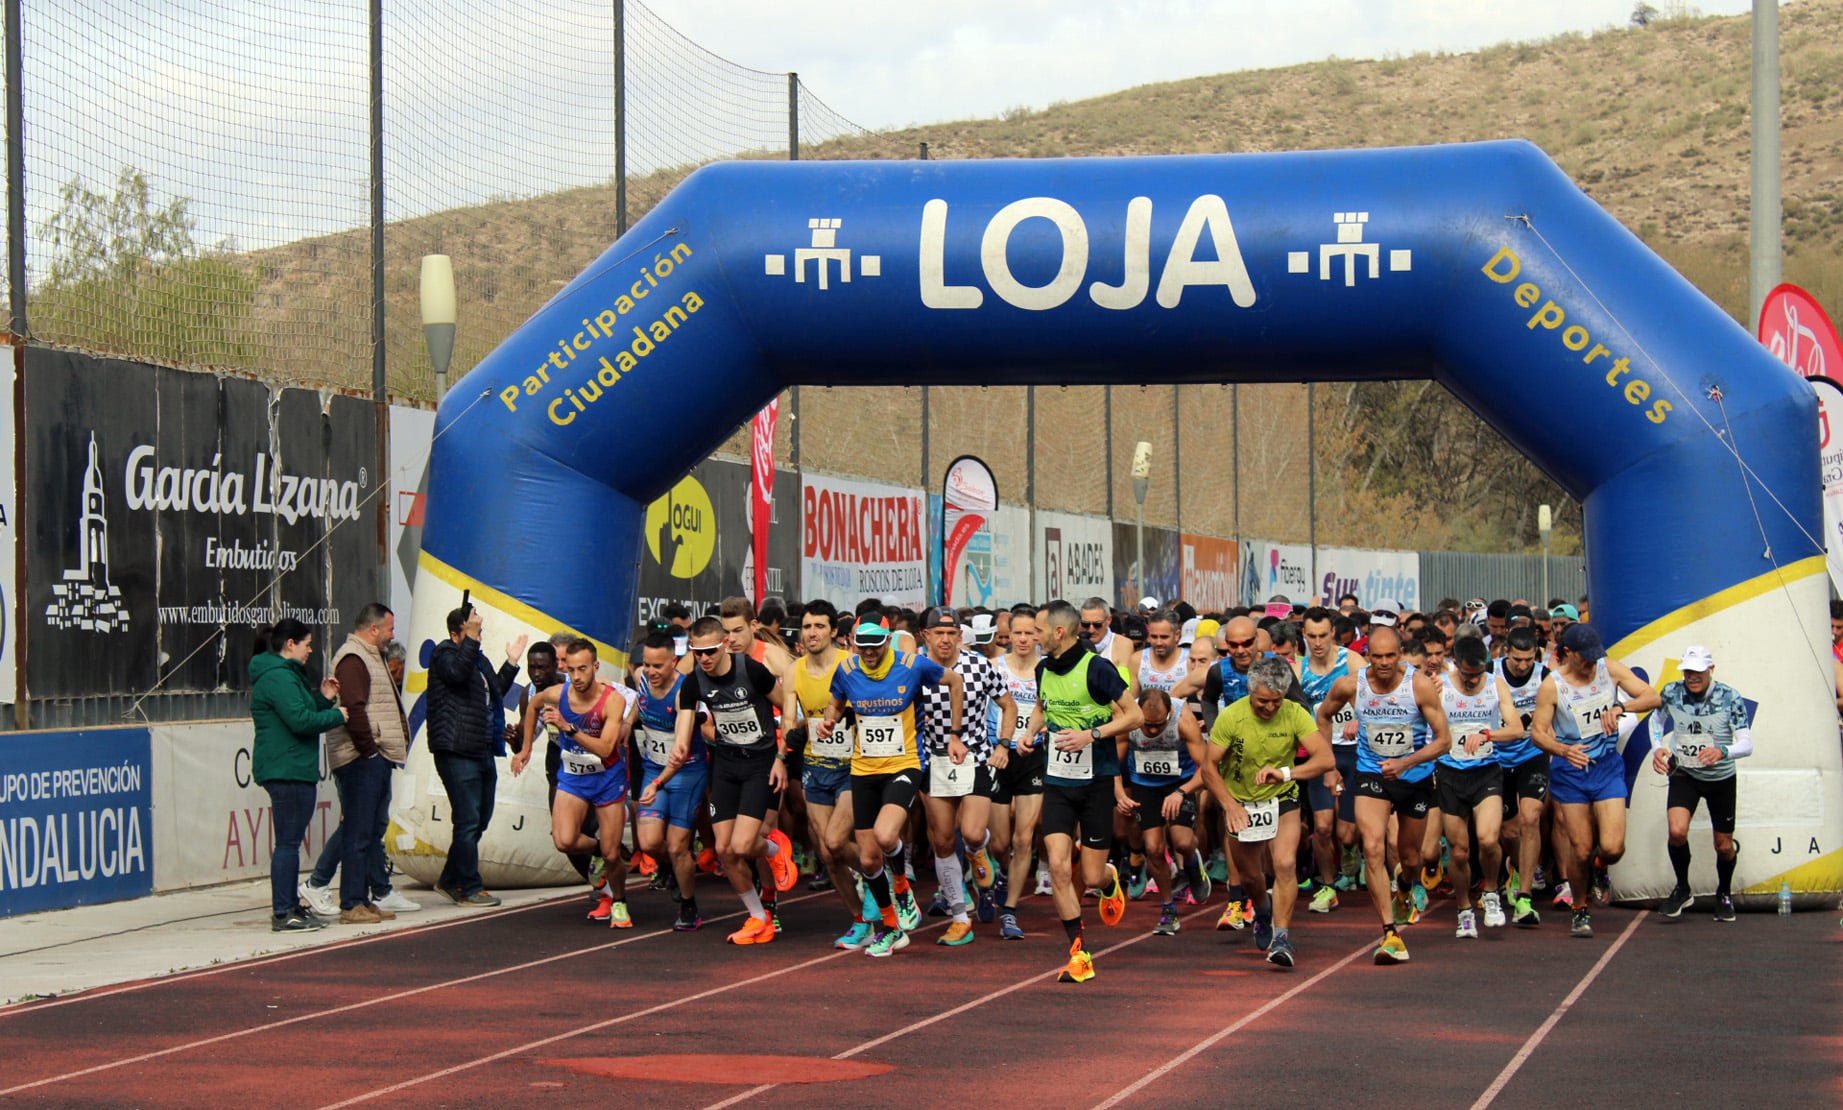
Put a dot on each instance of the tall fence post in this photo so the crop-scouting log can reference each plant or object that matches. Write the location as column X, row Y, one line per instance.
column 380, row 369
column 16, row 290
column 793, row 117
column 620, row 118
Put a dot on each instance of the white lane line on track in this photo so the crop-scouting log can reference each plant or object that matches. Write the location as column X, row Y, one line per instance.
column 270, row 958
column 945, row 1014
column 1542, row 1032
column 1222, row 1034
column 393, row 997
column 600, row 1025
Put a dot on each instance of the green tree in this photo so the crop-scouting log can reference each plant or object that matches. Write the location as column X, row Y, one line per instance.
column 127, row 277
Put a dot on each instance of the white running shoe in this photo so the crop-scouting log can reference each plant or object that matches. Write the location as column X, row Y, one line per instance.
column 1468, row 925
column 323, row 900
column 1494, row 910
column 397, row 902
column 1044, row 886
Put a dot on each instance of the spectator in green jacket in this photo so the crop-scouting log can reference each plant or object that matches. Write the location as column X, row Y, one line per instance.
column 290, row 715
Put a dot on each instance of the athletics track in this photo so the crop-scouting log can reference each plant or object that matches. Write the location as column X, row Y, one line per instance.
column 534, row 1006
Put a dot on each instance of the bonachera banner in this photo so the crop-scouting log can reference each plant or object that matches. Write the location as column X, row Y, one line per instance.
column 169, row 512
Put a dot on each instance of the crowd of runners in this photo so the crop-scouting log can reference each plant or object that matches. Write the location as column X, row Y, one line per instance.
column 1289, row 756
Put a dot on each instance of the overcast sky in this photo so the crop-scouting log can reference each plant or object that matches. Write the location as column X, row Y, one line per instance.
column 886, row 65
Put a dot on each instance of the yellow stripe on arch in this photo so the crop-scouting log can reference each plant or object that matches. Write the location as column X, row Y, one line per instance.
column 513, row 607
column 1775, row 579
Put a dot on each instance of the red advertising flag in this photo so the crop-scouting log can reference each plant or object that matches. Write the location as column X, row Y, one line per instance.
column 969, row 497
column 761, row 491
column 1795, row 328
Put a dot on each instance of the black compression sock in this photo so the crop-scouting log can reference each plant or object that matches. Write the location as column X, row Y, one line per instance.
column 1072, row 926
column 1724, row 873
column 1679, row 862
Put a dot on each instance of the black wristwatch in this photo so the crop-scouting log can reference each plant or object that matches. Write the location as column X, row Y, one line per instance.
column 1095, row 732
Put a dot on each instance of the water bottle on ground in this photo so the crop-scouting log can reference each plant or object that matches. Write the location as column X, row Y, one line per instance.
column 1785, row 898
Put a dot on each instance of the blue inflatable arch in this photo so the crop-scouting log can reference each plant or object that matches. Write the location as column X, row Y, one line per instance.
column 1479, row 265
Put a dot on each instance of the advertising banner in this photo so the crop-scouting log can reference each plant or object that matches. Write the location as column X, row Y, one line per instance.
column 411, row 429
column 699, row 540
column 1161, row 564
column 761, row 496
column 173, row 512
column 212, row 821
column 862, row 539
column 1371, row 575
column 1010, row 558
column 969, row 497
column 1206, row 572
column 1074, row 557
column 1270, row 569
column 1797, row 330
column 76, row 818
column 1830, row 458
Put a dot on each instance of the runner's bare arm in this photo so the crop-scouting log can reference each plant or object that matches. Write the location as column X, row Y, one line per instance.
column 1512, row 728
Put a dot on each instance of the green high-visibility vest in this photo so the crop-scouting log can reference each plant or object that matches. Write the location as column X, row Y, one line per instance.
column 1066, row 701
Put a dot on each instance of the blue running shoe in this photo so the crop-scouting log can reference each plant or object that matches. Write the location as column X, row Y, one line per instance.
column 1008, row 928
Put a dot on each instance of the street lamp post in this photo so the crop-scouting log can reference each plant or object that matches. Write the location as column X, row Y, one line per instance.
column 1545, row 519
column 1142, row 472
column 438, row 315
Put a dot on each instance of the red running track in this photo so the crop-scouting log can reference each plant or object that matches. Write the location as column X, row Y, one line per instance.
column 537, row 1004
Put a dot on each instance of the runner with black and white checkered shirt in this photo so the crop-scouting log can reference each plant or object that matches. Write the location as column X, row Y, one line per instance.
column 957, row 790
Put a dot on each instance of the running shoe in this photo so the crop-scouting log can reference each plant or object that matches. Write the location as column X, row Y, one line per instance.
column 1564, row 896
column 755, row 930
column 957, row 934
column 858, row 936
column 1345, row 883
column 1418, row 894
column 1403, row 906
column 1008, row 928
column 1526, row 916
column 1582, row 925
column 1325, row 900
column 1392, row 950
column 984, row 874
column 1431, row 880
column 708, row 862
column 603, row 907
column 1136, row 880
column 688, row 920
column 1201, row 888
column 644, row 863
column 1514, row 883
column 1081, row 965
column 939, row 907
column 1678, row 901
column 618, row 917
column 1044, row 886
column 785, row 868
column 662, row 880
column 1113, row 899
column 396, row 902
column 1541, row 881
column 1167, row 921
column 986, row 907
column 1468, row 926
column 1263, row 934
column 1180, row 886
column 1494, row 910
column 296, row 922
column 1232, row 916
column 1217, row 868
column 598, row 873
column 821, row 880
column 1280, row 953
column 1724, row 908
column 891, row 942
column 1601, row 886
column 323, row 900
column 908, row 914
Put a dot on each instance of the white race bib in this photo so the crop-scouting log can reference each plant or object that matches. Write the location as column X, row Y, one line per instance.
column 947, row 779
column 739, row 727
column 835, row 746
column 881, row 737
column 1263, row 821
column 1687, row 743
column 1485, row 750
column 1391, row 741
column 1587, row 714
column 582, row 763
column 655, row 745
column 1077, row 765
column 1021, row 730
column 1157, row 764
column 1339, row 719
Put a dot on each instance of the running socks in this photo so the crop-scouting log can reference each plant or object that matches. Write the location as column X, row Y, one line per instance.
column 1724, row 871
column 893, row 861
column 1072, row 926
column 879, row 884
column 752, row 902
column 1679, row 862
column 953, row 883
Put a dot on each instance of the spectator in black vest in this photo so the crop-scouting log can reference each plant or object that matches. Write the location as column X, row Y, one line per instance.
column 466, row 733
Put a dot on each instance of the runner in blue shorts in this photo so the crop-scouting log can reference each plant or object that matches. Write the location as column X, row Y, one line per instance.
column 671, row 794
column 1577, row 718
column 592, row 727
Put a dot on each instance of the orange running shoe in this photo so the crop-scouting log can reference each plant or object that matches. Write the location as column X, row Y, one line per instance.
column 1081, row 965
column 645, row 864
column 708, row 862
column 1113, row 899
column 785, row 868
column 603, row 908
column 756, row 930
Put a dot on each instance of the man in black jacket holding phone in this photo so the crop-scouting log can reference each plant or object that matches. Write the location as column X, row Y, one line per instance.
column 465, row 733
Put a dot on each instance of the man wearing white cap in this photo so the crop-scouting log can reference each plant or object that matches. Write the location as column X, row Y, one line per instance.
column 1709, row 730
column 1385, row 613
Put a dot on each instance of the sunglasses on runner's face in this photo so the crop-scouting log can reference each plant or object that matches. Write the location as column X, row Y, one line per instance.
column 712, row 650
column 1094, row 624
column 1469, row 675
column 1235, row 644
